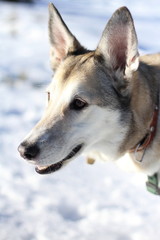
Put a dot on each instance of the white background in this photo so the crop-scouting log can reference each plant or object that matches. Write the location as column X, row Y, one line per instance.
column 79, row 202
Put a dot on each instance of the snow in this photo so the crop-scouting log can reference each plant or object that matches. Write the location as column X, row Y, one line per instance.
column 80, row 201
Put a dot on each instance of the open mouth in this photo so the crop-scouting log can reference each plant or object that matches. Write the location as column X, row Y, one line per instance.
column 57, row 166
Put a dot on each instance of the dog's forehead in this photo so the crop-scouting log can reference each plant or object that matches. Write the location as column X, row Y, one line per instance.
column 82, row 75
column 74, row 68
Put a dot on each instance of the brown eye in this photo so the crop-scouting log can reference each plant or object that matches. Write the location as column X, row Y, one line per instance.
column 78, row 104
column 48, row 95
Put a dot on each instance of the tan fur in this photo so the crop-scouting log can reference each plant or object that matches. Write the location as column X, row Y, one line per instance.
column 120, row 91
column 151, row 59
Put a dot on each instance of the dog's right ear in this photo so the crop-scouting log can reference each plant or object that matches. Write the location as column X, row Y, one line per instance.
column 62, row 40
column 119, row 45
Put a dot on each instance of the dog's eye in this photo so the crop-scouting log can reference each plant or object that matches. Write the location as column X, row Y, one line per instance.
column 78, row 104
column 48, row 96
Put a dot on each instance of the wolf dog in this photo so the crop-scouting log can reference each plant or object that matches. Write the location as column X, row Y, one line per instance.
column 103, row 103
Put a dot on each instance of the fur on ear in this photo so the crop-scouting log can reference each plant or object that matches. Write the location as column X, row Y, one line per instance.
column 61, row 39
column 118, row 44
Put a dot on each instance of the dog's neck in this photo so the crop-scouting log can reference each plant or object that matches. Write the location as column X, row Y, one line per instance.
column 141, row 147
column 143, row 102
column 143, row 115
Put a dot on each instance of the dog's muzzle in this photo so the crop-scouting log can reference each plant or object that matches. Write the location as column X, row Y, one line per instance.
column 31, row 152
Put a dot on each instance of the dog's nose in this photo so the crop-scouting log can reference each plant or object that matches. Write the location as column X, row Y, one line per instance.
column 28, row 152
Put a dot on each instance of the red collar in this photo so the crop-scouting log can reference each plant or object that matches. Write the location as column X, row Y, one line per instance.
column 147, row 140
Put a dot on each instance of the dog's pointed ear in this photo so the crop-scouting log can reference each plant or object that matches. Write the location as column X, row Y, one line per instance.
column 61, row 39
column 119, row 45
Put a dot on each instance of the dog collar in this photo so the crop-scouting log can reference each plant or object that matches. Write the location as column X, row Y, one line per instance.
column 152, row 184
column 140, row 148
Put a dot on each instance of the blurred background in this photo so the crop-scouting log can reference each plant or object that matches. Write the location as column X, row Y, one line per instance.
column 80, row 201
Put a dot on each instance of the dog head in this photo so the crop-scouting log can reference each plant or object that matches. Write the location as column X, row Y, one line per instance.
column 88, row 95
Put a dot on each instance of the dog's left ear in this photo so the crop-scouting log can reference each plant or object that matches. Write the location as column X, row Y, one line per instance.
column 119, row 45
column 62, row 40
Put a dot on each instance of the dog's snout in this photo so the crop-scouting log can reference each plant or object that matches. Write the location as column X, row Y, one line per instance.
column 27, row 151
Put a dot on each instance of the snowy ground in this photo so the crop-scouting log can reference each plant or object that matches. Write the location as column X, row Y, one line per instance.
column 79, row 202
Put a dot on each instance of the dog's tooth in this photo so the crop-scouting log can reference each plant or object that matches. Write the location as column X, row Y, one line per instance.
column 42, row 167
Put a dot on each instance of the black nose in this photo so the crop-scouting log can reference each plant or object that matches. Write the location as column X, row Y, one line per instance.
column 27, row 151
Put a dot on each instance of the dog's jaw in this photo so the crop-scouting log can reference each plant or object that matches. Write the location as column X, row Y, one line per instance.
column 56, row 166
